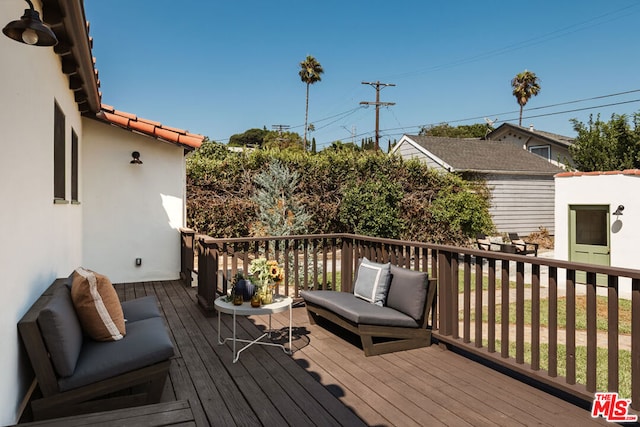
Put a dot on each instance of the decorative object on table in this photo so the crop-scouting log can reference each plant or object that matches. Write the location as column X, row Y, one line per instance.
column 237, row 297
column 243, row 286
column 256, row 299
column 267, row 274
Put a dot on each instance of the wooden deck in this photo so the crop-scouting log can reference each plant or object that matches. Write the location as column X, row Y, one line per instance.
column 328, row 381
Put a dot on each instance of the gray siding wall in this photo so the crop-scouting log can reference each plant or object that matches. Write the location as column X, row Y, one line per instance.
column 409, row 151
column 522, row 204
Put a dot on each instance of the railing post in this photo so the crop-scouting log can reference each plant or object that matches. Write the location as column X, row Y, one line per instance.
column 444, row 283
column 346, row 265
column 186, row 255
column 208, row 254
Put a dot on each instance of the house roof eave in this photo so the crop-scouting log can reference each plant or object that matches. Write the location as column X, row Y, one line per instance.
column 528, row 133
column 149, row 128
column 67, row 20
column 506, row 172
column 444, row 165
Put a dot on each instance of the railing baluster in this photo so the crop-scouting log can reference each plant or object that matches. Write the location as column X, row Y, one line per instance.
column 314, row 278
column 296, row 265
column 305, row 262
column 612, row 334
column 324, row 264
column 447, row 318
column 491, row 308
column 479, row 308
column 571, row 327
column 334, row 244
column 504, row 310
column 553, row 322
column 519, row 312
column 535, row 317
column 286, row 265
column 466, row 331
column 454, row 285
column 592, row 332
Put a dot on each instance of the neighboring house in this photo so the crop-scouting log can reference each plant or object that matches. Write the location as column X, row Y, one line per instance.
column 521, row 183
column 70, row 195
column 550, row 146
column 597, row 219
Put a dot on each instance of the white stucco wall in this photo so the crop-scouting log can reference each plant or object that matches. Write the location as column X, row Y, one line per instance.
column 612, row 190
column 40, row 241
column 131, row 211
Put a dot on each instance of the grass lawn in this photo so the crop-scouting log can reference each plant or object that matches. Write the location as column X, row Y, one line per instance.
column 485, row 282
column 624, row 313
column 624, row 378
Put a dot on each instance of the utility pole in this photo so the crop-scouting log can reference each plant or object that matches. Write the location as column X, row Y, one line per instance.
column 377, row 103
column 280, row 128
column 352, row 132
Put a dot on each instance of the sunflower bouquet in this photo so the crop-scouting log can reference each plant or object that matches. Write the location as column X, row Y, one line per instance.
column 267, row 274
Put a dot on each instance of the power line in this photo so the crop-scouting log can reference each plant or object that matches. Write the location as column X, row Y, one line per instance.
column 339, row 116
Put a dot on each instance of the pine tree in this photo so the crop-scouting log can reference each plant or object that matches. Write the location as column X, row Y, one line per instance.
column 280, row 211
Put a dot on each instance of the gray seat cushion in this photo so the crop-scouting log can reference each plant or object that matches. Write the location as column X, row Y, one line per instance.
column 146, row 343
column 140, row 308
column 61, row 331
column 408, row 291
column 357, row 310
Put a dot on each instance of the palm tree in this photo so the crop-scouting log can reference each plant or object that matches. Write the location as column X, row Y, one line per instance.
column 310, row 70
column 525, row 85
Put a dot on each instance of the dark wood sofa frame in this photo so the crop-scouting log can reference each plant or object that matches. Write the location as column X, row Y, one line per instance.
column 379, row 339
column 137, row 387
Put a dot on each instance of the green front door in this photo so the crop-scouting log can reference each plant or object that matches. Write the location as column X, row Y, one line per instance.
column 589, row 238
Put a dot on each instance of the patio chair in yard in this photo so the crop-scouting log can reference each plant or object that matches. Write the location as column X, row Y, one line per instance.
column 522, row 247
column 483, row 242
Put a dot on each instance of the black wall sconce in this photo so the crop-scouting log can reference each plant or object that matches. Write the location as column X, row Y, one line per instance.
column 30, row 30
column 136, row 158
column 618, row 211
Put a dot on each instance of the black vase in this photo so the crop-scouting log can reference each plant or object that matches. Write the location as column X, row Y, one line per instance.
column 248, row 289
column 240, row 288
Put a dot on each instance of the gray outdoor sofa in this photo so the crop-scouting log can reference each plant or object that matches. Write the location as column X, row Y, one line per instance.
column 400, row 322
column 76, row 374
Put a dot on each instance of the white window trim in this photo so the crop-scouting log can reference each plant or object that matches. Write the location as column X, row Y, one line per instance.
column 548, row 147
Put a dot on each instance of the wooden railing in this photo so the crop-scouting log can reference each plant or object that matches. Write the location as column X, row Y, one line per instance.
column 522, row 313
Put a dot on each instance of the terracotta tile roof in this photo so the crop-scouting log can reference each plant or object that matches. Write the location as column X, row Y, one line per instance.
column 150, row 128
column 631, row 172
column 473, row 154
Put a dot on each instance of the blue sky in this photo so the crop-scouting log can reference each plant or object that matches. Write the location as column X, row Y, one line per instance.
column 220, row 68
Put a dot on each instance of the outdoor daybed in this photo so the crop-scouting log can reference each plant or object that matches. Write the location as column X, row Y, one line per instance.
column 78, row 374
column 389, row 308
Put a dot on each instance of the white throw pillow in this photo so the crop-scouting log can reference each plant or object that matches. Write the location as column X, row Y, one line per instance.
column 372, row 283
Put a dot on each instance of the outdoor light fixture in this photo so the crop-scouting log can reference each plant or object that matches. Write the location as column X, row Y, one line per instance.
column 30, row 29
column 136, row 158
column 618, row 211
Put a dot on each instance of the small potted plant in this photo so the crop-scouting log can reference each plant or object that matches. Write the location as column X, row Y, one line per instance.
column 237, row 289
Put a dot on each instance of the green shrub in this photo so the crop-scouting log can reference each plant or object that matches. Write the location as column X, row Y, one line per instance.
column 371, row 208
column 365, row 192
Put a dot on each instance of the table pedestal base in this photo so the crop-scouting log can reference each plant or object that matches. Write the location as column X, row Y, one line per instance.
column 257, row 341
